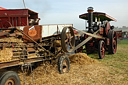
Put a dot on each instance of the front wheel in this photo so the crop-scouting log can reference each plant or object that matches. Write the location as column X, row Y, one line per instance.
column 101, row 49
column 10, row 78
column 63, row 64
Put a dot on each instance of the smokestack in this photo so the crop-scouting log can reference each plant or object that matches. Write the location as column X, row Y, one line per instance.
column 90, row 19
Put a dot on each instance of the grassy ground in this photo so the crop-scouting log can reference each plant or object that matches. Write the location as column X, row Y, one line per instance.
column 117, row 62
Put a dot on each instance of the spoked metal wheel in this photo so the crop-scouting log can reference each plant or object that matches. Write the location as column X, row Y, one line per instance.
column 67, row 39
column 112, row 48
column 63, row 64
column 101, row 49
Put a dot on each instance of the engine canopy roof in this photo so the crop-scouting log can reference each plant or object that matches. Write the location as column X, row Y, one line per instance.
column 101, row 15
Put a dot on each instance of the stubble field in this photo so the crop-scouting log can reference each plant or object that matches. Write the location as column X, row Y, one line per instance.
column 84, row 70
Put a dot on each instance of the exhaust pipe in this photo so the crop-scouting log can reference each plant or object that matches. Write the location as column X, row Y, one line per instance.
column 90, row 19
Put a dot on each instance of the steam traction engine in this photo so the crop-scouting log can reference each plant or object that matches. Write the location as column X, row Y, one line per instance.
column 100, row 35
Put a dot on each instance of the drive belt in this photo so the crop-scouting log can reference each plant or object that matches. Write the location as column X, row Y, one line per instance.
column 87, row 39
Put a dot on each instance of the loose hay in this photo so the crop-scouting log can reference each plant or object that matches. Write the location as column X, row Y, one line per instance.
column 81, row 58
column 93, row 74
column 47, row 74
column 89, row 73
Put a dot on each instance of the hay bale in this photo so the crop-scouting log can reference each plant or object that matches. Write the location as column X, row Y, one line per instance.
column 6, row 55
column 81, row 58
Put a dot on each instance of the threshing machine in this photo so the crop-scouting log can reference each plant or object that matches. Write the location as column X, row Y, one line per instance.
column 30, row 43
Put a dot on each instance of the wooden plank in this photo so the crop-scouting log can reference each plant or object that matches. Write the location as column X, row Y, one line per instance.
column 18, row 62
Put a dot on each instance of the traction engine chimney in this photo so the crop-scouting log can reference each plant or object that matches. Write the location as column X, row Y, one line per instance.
column 90, row 19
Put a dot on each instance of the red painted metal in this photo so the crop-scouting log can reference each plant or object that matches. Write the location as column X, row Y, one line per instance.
column 101, row 31
column 91, row 44
column 18, row 17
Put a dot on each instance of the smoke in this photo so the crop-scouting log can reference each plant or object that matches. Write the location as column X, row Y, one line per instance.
column 40, row 6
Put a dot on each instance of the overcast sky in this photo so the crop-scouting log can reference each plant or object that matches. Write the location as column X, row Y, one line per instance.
column 68, row 11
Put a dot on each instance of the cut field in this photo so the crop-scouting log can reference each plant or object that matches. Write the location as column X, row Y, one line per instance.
column 112, row 70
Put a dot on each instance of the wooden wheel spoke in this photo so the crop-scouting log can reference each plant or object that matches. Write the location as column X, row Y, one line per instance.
column 66, row 40
column 71, row 37
column 67, row 43
column 70, row 44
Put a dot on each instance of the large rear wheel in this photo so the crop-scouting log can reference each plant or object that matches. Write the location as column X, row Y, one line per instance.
column 112, row 42
column 106, row 29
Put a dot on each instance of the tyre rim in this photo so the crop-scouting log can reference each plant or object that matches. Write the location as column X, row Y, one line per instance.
column 65, row 66
column 102, row 50
column 10, row 82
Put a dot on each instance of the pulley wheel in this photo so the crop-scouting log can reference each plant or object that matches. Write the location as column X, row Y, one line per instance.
column 67, row 39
